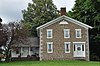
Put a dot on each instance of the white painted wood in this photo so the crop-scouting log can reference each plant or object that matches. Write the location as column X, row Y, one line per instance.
column 21, row 51
column 63, row 22
column 29, row 51
column 79, row 42
column 40, row 55
column 25, row 52
column 13, row 53
column 78, row 52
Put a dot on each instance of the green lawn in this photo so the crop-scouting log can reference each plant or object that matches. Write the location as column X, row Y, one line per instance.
column 51, row 63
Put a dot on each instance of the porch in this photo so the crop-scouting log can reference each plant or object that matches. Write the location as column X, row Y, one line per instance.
column 22, row 52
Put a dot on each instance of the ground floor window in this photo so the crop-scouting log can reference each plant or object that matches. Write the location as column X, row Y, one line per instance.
column 49, row 47
column 67, row 47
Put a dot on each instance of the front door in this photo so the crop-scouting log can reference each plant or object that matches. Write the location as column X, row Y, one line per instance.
column 79, row 50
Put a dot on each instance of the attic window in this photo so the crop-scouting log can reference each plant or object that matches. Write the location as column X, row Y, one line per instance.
column 63, row 22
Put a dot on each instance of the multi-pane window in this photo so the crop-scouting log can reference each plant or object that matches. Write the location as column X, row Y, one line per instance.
column 49, row 33
column 49, row 47
column 78, row 33
column 66, row 33
column 67, row 47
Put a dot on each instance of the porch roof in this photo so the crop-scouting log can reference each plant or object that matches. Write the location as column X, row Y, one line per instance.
column 30, row 42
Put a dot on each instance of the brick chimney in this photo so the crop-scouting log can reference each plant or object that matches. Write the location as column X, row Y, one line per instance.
column 63, row 11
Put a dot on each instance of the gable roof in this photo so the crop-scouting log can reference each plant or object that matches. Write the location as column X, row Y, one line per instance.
column 64, row 18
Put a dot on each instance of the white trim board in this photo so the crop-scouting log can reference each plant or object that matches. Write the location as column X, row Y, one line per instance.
column 79, row 42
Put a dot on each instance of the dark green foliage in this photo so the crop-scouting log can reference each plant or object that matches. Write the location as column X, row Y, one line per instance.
column 88, row 12
column 39, row 12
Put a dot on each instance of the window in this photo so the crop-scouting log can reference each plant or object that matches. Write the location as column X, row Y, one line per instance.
column 17, row 51
column 78, row 33
column 49, row 47
column 67, row 47
column 66, row 33
column 49, row 33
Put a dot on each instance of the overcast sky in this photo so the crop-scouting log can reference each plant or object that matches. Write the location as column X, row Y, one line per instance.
column 10, row 10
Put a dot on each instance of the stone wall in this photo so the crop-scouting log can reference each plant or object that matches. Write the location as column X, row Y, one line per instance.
column 58, row 41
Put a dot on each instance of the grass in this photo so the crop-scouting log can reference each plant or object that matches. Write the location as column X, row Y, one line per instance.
column 51, row 63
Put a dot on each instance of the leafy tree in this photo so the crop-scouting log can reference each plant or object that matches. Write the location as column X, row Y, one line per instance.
column 2, row 34
column 9, row 34
column 88, row 11
column 3, row 39
column 39, row 12
column 18, row 33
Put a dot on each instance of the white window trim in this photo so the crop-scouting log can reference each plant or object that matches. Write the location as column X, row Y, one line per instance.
column 51, row 47
column 68, row 33
column 65, row 47
column 76, row 32
column 51, row 33
column 79, row 42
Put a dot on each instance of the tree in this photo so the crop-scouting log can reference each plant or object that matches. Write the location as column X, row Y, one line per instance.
column 2, row 34
column 39, row 12
column 9, row 34
column 3, row 39
column 18, row 33
column 88, row 12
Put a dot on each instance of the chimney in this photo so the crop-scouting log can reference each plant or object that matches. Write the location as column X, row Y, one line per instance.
column 63, row 11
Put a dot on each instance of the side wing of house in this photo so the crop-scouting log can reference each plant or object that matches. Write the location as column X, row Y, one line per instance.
column 29, row 48
column 63, row 39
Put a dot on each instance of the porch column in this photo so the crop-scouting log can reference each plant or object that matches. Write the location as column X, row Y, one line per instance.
column 21, row 51
column 29, row 51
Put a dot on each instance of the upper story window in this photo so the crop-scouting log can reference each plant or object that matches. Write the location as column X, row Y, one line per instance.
column 66, row 33
column 49, row 33
column 67, row 47
column 78, row 33
column 49, row 47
